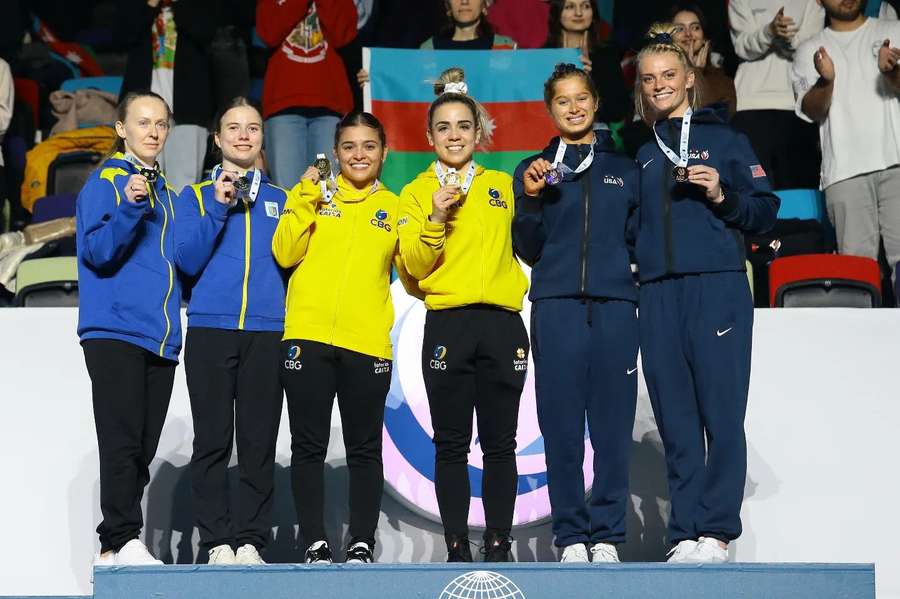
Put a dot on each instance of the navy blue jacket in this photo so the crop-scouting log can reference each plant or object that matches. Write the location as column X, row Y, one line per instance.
column 575, row 234
column 129, row 290
column 227, row 252
column 679, row 231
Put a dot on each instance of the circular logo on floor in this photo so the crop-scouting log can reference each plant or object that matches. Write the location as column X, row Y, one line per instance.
column 408, row 449
column 481, row 585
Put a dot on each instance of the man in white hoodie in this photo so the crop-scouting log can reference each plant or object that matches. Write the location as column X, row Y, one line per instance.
column 766, row 34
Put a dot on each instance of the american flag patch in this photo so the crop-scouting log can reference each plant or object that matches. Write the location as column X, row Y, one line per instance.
column 757, row 171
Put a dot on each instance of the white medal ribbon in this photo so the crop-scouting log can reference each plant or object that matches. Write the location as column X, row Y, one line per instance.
column 254, row 185
column 563, row 169
column 442, row 175
column 328, row 195
column 682, row 159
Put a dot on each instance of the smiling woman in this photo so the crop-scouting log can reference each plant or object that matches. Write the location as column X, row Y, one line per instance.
column 455, row 239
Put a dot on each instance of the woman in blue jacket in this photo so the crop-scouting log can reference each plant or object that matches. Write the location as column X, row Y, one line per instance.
column 235, row 322
column 573, row 205
column 128, row 318
column 702, row 188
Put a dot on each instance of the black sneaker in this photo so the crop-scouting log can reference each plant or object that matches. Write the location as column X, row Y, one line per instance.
column 359, row 553
column 458, row 549
column 318, row 553
column 497, row 548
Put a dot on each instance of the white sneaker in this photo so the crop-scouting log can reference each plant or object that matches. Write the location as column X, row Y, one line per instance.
column 135, row 553
column 604, row 553
column 574, row 554
column 247, row 555
column 680, row 552
column 708, row 551
column 221, row 555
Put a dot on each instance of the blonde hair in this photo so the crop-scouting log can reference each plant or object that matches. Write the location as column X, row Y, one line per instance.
column 660, row 40
column 451, row 87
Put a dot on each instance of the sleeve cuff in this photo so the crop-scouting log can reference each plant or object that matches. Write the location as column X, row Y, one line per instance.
column 433, row 229
column 218, row 210
column 532, row 203
column 728, row 207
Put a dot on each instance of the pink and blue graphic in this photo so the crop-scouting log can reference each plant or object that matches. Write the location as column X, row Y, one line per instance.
column 409, row 451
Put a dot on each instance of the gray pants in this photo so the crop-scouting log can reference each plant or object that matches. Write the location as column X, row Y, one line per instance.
column 182, row 157
column 864, row 209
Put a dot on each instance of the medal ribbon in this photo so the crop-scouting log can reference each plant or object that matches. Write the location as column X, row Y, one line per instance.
column 677, row 160
column 563, row 168
column 254, row 186
column 442, row 175
column 140, row 166
column 328, row 195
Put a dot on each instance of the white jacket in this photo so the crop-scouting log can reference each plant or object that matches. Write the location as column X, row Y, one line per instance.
column 7, row 96
column 763, row 80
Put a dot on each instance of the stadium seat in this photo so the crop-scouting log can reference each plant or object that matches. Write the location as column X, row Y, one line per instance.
column 804, row 204
column 112, row 85
column 51, row 207
column 46, row 282
column 824, row 280
column 69, row 171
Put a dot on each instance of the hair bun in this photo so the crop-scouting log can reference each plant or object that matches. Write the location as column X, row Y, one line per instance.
column 453, row 80
column 661, row 38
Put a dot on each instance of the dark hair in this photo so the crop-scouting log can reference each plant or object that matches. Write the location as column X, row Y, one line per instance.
column 358, row 118
column 689, row 7
column 481, row 117
column 235, row 102
column 555, row 30
column 564, row 70
column 122, row 114
column 448, row 28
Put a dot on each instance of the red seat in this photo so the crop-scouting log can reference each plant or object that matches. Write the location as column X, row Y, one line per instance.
column 824, row 280
column 28, row 91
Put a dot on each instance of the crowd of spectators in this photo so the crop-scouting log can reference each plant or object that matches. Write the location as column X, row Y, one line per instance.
column 796, row 76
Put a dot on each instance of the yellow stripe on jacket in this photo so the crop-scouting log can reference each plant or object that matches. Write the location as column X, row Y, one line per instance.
column 468, row 260
column 341, row 252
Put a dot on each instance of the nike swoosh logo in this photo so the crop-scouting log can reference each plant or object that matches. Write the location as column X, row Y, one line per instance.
column 648, row 162
column 631, row 370
column 720, row 333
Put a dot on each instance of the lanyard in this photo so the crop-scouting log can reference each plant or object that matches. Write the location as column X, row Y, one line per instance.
column 331, row 184
column 446, row 178
column 245, row 190
column 682, row 159
column 561, row 166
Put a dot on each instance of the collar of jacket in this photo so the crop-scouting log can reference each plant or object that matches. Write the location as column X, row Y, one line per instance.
column 117, row 160
column 347, row 193
column 603, row 142
column 430, row 174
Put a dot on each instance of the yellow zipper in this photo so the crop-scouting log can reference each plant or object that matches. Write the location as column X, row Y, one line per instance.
column 171, row 274
column 246, row 265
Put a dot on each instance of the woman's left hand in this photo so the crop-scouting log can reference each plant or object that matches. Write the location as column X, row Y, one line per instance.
column 700, row 56
column 708, row 178
column 586, row 62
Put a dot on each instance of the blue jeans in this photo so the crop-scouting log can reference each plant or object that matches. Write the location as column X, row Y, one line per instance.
column 292, row 142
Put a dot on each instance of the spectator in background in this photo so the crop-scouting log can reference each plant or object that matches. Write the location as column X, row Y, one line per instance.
column 7, row 97
column 716, row 88
column 847, row 78
column 167, row 43
column 523, row 20
column 467, row 28
column 576, row 24
column 306, row 89
column 765, row 34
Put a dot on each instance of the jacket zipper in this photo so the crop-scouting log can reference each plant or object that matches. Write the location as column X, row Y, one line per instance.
column 337, row 300
column 667, row 205
column 246, row 265
column 162, row 252
column 586, row 189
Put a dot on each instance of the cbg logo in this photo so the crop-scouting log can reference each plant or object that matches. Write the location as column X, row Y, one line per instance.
column 379, row 219
column 438, row 363
column 293, row 358
column 495, row 199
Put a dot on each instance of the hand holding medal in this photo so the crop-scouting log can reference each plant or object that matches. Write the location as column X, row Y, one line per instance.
column 136, row 188
column 323, row 165
column 443, row 201
column 538, row 175
column 708, row 178
column 224, row 188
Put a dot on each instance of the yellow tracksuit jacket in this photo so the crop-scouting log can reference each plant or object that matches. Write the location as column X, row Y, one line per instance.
column 469, row 259
column 339, row 293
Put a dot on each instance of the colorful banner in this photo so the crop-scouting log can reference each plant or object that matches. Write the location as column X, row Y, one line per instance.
column 510, row 84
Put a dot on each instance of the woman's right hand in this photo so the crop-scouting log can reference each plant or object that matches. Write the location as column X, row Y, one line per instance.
column 136, row 188
column 362, row 77
column 442, row 201
column 224, row 188
column 586, row 63
column 534, row 177
column 312, row 174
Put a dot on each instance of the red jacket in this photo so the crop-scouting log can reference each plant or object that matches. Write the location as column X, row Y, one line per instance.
column 305, row 70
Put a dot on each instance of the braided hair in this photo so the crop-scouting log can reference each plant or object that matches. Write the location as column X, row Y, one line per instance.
column 660, row 40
